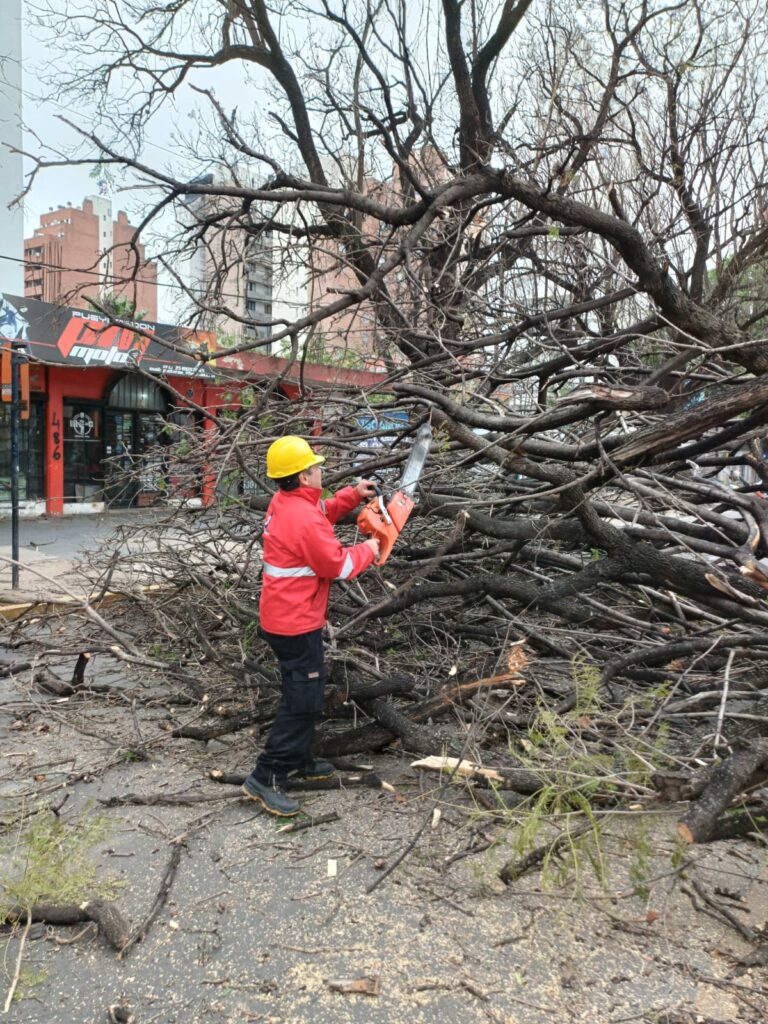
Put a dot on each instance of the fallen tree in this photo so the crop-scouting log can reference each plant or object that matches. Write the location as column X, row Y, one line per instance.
column 554, row 252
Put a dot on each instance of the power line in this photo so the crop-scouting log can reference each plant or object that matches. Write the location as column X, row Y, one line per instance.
column 77, row 270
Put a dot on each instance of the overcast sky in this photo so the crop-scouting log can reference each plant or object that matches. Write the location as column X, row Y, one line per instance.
column 59, row 186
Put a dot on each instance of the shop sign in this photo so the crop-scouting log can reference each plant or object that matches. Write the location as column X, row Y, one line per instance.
column 76, row 337
column 94, row 341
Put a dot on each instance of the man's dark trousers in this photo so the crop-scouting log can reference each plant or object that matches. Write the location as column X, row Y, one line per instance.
column 302, row 669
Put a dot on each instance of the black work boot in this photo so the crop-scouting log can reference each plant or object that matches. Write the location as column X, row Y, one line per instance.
column 315, row 771
column 272, row 798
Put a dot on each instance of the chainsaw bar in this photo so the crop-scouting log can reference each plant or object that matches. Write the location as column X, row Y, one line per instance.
column 385, row 520
column 416, row 460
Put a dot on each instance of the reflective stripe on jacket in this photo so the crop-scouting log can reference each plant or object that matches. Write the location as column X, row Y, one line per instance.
column 302, row 556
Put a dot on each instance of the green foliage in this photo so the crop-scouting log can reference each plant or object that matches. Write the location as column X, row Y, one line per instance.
column 548, row 730
column 680, row 853
column 640, row 867
column 324, row 351
column 51, row 862
column 579, row 787
column 638, row 759
column 571, row 809
column 587, row 678
column 28, row 978
column 118, row 306
column 161, row 652
column 250, row 636
column 653, row 694
column 378, row 398
column 105, row 179
column 132, row 756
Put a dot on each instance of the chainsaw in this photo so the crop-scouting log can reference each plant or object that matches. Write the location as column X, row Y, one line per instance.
column 384, row 520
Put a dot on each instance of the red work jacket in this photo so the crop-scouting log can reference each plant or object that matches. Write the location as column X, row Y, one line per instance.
column 302, row 556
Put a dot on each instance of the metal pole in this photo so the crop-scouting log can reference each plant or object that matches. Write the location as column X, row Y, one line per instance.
column 16, row 360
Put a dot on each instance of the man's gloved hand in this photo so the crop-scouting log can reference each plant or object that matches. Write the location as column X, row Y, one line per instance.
column 366, row 488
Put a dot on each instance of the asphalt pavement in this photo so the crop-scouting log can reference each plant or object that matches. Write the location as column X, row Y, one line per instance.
column 49, row 548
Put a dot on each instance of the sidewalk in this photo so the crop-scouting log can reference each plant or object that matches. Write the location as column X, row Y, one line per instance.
column 49, row 548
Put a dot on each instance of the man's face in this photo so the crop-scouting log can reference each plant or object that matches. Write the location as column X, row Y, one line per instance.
column 312, row 477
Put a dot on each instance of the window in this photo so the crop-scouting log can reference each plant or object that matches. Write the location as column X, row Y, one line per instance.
column 134, row 392
column 31, row 445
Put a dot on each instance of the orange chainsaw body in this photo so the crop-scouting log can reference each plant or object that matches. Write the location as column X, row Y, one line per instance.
column 372, row 521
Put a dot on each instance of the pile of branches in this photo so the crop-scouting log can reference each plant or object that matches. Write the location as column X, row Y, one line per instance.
column 623, row 609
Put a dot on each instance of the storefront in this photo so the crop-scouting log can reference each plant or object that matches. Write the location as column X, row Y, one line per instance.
column 100, row 422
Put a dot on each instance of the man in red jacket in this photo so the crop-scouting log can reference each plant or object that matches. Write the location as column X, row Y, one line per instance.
column 301, row 558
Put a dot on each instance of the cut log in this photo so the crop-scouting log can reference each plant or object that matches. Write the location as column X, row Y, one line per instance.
column 354, row 741
column 452, row 765
column 413, row 736
column 224, row 726
column 521, row 780
column 674, row 787
column 358, row 690
column 112, row 925
column 735, row 775
column 78, row 676
column 737, row 824
column 53, row 684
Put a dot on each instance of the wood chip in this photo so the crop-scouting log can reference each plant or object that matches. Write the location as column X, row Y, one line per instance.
column 368, row 985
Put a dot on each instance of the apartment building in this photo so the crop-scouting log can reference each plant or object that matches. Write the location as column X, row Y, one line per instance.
column 237, row 284
column 244, row 286
column 77, row 253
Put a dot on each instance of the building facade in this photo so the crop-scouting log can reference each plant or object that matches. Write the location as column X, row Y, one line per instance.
column 239, row 285
column 101, row 425
column 79, row 253
column 98, row 418
column 228, row 276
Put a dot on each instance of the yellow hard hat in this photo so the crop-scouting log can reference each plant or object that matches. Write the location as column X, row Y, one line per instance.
column 289, row 455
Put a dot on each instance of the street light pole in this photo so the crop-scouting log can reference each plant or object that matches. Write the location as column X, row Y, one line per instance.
column 17, row 358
